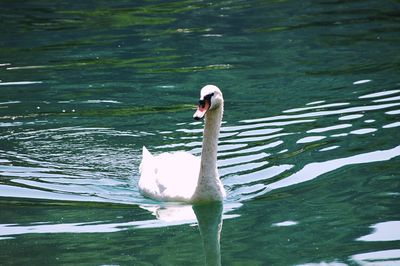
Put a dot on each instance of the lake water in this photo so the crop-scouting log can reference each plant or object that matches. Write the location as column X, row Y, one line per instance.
column 309, row 151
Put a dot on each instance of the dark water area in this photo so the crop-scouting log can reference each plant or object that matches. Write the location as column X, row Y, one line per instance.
column 309, row 150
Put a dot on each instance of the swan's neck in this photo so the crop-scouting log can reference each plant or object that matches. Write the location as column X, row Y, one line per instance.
column 209, row 187
column 209, row 151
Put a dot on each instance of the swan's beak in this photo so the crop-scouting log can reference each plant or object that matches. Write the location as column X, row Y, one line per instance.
column 202, row 109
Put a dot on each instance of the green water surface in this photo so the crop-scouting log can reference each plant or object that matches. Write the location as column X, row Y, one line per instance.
column 309, row 151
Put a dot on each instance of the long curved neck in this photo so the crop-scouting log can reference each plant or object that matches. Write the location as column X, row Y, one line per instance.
column 209, row 187
column 208, row 167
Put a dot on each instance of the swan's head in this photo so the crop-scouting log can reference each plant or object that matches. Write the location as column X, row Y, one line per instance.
column 210, row 99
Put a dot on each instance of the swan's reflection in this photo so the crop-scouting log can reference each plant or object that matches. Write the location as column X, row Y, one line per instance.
column 209, row 219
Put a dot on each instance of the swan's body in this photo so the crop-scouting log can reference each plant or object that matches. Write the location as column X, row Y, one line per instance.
column 169, row 176
column 181, row 176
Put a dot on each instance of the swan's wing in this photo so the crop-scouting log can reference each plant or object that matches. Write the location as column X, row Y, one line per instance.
column 169, row 176
column 177, row 174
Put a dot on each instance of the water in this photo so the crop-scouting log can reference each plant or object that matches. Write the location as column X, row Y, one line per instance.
column 309, row 150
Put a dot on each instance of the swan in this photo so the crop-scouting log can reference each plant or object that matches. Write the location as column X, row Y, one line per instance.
column 181, row 176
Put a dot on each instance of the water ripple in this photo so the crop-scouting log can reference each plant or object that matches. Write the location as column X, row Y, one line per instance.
column 313, row 170
column 256, row 155
column 325, row 113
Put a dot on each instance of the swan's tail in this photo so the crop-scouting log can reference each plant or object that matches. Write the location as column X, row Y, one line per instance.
column 146, row 156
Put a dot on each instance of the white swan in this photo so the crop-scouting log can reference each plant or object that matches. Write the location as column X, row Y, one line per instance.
column 181, row 176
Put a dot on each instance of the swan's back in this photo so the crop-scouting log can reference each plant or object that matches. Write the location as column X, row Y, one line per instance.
column 169, row 176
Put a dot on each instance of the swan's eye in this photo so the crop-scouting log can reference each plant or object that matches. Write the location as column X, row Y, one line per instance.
column 202, row 103
column 207, row 98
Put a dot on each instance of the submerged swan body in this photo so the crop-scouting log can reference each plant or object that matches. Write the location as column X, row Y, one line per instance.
column 181, row 176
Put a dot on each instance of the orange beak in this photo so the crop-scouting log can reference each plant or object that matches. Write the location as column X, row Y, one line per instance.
column 202, row 109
